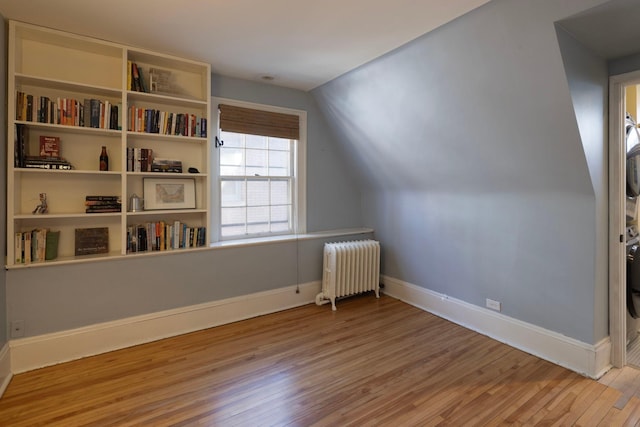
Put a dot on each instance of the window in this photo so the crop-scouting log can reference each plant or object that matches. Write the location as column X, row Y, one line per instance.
column 260, row 173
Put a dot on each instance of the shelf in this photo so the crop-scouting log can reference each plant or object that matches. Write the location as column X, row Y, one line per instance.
column 45, row 217
column 167, row 212
column 47, row 83
column 71, row 129
column 163, row 137
column 67, row 260
column 115, row 174
column 165, row 99
column 168, row 175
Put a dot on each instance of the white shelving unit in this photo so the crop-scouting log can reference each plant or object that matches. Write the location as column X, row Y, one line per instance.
column 55, row 64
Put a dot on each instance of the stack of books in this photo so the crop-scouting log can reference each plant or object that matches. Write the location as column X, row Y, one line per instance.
column 46, row 162
column 102, row 204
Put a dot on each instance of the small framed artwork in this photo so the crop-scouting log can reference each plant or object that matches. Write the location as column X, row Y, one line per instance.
column 92, row 241
column 167, row 193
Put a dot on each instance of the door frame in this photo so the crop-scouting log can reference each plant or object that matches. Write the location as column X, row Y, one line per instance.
column 617, row 220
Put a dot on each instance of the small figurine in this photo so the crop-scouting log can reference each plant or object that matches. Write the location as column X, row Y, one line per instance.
column 42, row 208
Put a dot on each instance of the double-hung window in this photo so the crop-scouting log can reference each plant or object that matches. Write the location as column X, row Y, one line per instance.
column 259, row 171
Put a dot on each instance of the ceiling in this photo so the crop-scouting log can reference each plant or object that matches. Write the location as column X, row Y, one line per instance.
column 611, row 30
column 299, row 43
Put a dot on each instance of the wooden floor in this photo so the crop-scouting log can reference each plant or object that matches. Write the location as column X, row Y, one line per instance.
column 373, row 362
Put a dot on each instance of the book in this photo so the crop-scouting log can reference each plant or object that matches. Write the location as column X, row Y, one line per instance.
column 129, row 76
column 101, row 198
column 19, row 145
column 17, row 248
column 135, row 77
column 49, row 146
column 51, row 245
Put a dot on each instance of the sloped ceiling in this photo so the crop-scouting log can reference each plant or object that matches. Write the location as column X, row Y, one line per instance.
column 301, row 43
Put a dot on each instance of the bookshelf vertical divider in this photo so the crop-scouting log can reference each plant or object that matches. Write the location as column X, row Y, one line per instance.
column 69, row 96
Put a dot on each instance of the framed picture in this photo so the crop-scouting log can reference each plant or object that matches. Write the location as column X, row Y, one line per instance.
column 169, row 193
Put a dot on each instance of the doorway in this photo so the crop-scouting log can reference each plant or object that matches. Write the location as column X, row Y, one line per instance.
column 622, row 342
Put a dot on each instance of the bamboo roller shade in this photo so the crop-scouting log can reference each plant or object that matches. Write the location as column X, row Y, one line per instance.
column 257, row 122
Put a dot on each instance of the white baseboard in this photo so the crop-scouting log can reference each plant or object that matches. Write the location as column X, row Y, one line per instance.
column 5, row 368
column 586, row 359
column 50, row 349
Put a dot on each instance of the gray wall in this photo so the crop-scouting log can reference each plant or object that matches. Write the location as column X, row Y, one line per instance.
column 56, row 298
column 588, row 79
column 476, row 177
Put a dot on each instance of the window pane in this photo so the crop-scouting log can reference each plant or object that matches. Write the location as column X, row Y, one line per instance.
column 256, row 162
column 255, row 141
column 258, row 192
column 231, row 139
column 280, row 192
column 280, row 218
column 233, row 217
column 229, row 231
column 232, row 193
column 231, row 161
column 279, row 144
column 258, row 219
column 279, row 163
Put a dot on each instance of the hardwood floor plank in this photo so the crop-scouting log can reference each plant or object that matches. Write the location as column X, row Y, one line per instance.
column 371, row 363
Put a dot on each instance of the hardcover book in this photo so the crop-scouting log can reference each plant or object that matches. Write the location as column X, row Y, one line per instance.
column 49, row 146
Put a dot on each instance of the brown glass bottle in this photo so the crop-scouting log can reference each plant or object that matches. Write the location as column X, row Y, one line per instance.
column 104, row 159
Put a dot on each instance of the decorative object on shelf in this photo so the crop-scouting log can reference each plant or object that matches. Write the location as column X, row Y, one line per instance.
column 104, row 159
column 166, row 165
column 43, row 207
column 136, row 204
column 49, row 146
column 92, row 241
column 194, row 170
column 161, row 193
column 161, row 81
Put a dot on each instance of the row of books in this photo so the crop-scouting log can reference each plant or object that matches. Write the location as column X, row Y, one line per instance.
column 89, row 112
column 162, row 236
column 135, row 80
column 102, row 204
column 139, row 159
column 36, row 245
column 166, row 123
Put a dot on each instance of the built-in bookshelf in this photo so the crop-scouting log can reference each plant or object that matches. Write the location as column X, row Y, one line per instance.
column 78, row 94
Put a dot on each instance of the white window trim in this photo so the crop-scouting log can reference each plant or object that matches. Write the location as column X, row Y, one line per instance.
column 299, row 173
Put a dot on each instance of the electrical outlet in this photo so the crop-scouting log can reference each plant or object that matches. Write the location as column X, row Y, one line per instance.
column 17, row 329
column 494, row 305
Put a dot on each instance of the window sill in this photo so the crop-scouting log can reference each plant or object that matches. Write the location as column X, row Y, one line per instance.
column 290, row 237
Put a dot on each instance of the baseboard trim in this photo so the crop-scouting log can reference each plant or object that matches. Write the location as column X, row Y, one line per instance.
column 50, row 349
column 5, row 368
column 586, row 359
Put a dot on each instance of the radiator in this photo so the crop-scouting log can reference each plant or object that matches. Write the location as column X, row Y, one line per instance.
column 349, row 268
